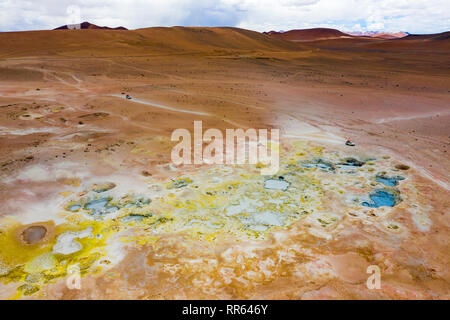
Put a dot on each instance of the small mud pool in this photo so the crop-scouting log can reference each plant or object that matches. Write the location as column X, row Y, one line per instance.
column 351, row 162
column 389, row 181
column 276, row 184
column 34, row 234
column 380, row 198
column 74, row 207
column 99, row 207
column 319, row 163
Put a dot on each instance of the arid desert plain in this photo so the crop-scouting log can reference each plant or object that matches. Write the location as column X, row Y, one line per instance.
column 88, row 189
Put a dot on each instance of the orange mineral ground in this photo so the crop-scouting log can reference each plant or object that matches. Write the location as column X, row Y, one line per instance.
column 88, row 189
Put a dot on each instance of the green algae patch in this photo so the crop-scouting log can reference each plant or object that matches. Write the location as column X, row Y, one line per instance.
column 45, row 261
column 28, row 289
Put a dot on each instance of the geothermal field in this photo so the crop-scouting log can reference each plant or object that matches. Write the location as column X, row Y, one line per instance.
column 92, row 206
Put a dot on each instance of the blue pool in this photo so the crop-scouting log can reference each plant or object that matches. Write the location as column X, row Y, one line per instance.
column 389, row 181
column 381, row 198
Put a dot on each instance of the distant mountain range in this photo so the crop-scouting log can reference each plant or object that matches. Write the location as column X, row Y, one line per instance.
column 304, row 35
column 309, row 34
column 327, row 33
column 87, row 25
column 233, row 42
column 379, row 34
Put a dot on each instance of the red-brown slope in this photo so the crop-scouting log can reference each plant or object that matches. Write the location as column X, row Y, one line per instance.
column 104, row 43
column 426, row 42
column 434, row 36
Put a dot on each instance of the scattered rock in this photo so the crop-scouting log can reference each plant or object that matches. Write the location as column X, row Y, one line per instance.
column 146, row 173
column 402, row 167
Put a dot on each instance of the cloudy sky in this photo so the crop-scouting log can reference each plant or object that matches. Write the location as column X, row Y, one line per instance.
column 414, row 16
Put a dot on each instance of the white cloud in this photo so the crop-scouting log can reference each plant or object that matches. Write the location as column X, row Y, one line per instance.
column 416, row 16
